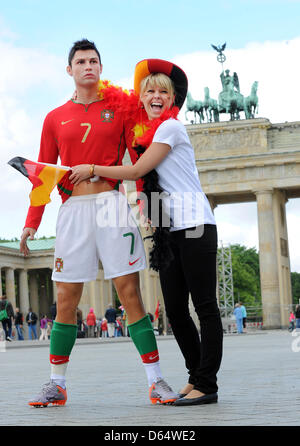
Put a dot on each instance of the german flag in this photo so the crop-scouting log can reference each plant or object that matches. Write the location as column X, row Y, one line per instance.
column 44, row 178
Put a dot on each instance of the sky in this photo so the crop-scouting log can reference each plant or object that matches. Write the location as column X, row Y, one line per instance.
column 262, row 43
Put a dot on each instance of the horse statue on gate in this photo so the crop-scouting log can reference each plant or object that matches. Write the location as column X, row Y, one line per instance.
column 196, row 107
column 230, row 99
column 211, row 107
column 251, row 102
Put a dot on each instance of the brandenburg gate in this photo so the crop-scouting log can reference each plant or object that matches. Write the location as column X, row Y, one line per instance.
column 238, row 161
column 255, row 160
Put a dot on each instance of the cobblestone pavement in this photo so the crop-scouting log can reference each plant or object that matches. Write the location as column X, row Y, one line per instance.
column 259, row 384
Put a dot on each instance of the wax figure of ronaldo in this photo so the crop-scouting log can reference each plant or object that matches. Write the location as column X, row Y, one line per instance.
column 92, row 129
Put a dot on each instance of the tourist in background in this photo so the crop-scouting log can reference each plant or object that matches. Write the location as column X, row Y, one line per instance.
column 6, row 317
column 244, row 311
column 238, row 313
column 297, row 315
column 292, row 319
column 31, row 320
column 53, row 311
column 79, row 319
column 91, row 323
column 44, row 326
column 119, row 327
column 110, row 316
column 49, row 328
column 98, row 328
column 104, row 332
column 19, row 324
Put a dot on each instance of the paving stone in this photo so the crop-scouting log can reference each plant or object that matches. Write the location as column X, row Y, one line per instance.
column 259, row 384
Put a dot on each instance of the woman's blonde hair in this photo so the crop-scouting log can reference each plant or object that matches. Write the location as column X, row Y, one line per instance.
column 157, row 79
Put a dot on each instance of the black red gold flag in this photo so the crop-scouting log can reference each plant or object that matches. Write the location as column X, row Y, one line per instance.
column 44, row 177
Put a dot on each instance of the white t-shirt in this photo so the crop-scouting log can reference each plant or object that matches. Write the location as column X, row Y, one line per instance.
column 184, row 201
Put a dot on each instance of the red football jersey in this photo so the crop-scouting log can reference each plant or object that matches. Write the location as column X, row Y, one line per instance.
column 83, row 134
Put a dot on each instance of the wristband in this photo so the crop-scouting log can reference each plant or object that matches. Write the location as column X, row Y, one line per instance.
column 92, row 167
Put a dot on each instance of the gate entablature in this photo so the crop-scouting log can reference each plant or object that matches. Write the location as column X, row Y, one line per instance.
column 237, row 158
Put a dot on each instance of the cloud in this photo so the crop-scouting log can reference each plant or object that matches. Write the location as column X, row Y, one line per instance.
column 30, row 85
column 293, row 225
column 237, row 223
column 28, row 67
column 5, row 31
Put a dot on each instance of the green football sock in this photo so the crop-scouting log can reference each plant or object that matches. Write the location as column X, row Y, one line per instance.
column 141, row 333
column 62, row 340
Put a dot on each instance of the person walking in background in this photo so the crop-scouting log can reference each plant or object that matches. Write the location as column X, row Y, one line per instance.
column 6, row 317
column 98, row 328
column 49, row 328
column 238, row 313
column 297, row 315
column 110, row 316
column 244, row 311
column 124, row 320
column 19, row 324
column 104, row 333
column 53, row 311
column 91, row 323
column 79, row 319
column 44, row 326
column 292, row 321
column 119, row 327
column 31, row 320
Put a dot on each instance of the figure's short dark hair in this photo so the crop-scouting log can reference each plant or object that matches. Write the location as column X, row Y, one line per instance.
column 83, row 44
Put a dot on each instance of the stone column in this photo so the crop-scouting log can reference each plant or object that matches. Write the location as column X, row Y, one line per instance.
column 24, row 292
column 34, row 293
column 268, row 260
column 283, row 258
column 44, row 299
column 10, row 286
column 98, row 297
column 54, row 291
column 94, row 296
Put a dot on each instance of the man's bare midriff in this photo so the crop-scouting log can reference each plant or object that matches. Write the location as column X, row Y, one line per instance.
column 87, row 187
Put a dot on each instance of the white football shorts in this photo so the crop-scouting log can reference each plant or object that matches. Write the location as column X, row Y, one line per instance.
column 97, row 227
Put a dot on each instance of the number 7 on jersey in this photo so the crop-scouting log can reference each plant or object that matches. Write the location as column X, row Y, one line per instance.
column 89, row 126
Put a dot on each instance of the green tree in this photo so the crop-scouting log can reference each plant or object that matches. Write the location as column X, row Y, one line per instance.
column 295, row 279
column 246, row 277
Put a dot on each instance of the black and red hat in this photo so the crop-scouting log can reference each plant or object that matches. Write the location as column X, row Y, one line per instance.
column 178, row 76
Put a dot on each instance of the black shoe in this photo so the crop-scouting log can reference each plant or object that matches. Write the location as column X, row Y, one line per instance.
column 181, row 395
column 205, row 399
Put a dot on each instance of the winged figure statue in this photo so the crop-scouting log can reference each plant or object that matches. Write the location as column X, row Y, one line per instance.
column 219, row 48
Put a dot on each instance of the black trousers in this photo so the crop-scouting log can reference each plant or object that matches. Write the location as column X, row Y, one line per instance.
column 6, row 324
column 193, row 271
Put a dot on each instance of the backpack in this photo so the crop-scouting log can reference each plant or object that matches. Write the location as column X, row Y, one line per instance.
column 3, row 313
